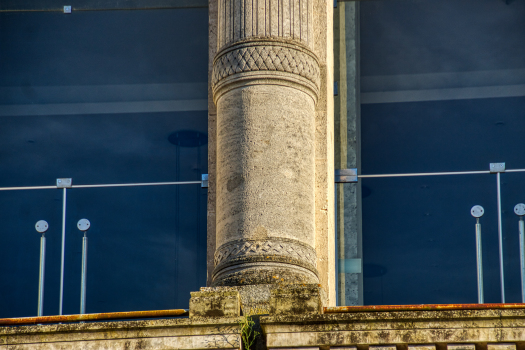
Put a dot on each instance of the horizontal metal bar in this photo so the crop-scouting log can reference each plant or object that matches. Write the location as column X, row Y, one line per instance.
column 515, row 170
column 97, row 5
column 427, row 174
column 423, row 307
column 27, row 188
column 61, row 10
column 140, row 184
column 104, row 185
column 345, row 175
column 94, row 317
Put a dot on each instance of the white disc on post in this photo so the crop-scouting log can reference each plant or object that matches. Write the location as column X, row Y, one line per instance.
column 41, row 226
column 519, row 209
column 477, row 211
column 83, row 225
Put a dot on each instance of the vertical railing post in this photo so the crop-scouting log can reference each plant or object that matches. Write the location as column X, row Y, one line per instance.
column 498, row 168
column 64, row 198
column 41, row 227
column 477, row 211
column 63, row 184
column 83, row 225
column 519, row 209
column 500, row 237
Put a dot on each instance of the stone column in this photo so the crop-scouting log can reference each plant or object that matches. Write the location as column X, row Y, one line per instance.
column 265, row 85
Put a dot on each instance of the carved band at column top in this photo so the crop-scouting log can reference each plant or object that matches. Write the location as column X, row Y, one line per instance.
column 269, row 56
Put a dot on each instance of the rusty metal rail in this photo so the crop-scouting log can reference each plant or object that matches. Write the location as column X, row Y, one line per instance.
column 93, row 317
column 422, row 307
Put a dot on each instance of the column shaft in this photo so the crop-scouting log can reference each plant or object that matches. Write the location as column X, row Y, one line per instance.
column 265, row 86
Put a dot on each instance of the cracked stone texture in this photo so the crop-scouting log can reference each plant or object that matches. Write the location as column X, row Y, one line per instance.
column 281, row 184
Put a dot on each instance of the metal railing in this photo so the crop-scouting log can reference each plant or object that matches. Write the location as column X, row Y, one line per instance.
column 352, row 176
column 42, row 226
column 93, row 317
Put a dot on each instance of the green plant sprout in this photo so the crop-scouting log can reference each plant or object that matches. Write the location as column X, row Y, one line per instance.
column 248, row 334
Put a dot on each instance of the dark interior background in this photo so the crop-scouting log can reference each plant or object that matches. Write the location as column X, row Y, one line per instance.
column 101, row 70
column 418, row 234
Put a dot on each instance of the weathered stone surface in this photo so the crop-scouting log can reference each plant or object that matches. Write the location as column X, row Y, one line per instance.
column 461, row 347
column 396, row 328
column 309, row 348
column 212, row 142
column 276, row 298
column 255, row 299
column 504, row 346
column 265, row 183
column 217, row 333
column 423, row 330
column 421, row 347
column 296, row 300
column 324, row 148
column 271, row 184
column 244, row 20
column 382, row 347
column 225, row 303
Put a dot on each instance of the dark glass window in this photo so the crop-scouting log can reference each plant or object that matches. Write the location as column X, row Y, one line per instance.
column 442, row 89
column 104, row 97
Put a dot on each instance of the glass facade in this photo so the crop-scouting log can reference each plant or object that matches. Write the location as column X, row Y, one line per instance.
column 441, row 88
column 104, row 97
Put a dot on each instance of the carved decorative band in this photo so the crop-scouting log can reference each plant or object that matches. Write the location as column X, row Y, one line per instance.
column 266, row 56
column 274, row 247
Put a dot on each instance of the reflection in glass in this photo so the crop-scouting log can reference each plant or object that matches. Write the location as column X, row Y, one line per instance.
column 442, row 89
column 97, row 96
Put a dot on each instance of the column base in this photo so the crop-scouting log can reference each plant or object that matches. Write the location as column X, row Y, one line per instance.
column 265, row 299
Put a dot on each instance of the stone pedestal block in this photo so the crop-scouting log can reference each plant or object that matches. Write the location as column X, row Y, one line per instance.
column 297, row 300
column 225, row 303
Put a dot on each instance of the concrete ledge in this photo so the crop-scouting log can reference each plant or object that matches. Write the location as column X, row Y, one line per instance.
column 216, row 333
column 402, row 328
column 461, row 346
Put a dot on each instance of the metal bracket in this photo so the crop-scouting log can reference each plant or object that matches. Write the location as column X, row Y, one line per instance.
column 64, row 183
column 346, row 175
column 204, row 180
column 497, row 168
column 67, row 9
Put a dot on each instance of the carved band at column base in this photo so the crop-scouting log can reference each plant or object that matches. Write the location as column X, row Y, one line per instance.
column 274, row 260
column 257, row 273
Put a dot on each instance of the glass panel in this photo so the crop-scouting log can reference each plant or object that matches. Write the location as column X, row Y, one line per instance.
column 104, row 97
column 419, row 239
column 20, row 251
column 87, row 49
column 103, row 148
column 441, row 89
column 442, row 84
column 147, row 247
column 512, row 193
column 50, row 5
column 436, row 136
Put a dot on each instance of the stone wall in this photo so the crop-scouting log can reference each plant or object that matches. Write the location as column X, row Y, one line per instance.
column 488, row 329
column 217, row 333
